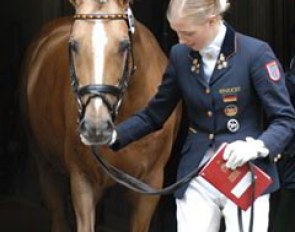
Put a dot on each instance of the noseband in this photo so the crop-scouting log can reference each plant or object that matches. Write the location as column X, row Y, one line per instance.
column 101, row 90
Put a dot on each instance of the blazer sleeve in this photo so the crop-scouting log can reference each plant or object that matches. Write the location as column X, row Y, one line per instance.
column 290, row 80
column 269, row 82
column 154, row 115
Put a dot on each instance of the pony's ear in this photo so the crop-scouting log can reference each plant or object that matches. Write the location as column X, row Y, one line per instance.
column 127, row 1
column 75, row 2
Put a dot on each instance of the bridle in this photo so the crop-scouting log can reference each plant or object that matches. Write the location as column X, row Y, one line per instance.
column 101, row 90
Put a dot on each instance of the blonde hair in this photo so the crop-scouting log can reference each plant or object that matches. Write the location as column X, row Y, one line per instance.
column 196, row 10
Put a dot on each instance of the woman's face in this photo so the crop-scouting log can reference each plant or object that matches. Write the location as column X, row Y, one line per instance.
column 196, row 36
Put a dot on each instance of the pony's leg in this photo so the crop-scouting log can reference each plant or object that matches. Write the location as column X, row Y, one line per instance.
column 84, row 199
column 143, row 206
column 54, row 191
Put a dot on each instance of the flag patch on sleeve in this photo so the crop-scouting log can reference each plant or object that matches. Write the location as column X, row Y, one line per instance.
column 273, row 71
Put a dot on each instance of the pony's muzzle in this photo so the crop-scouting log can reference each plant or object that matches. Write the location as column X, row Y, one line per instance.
column 96, row 134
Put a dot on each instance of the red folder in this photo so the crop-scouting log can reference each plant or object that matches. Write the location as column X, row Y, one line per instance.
column 238, row 184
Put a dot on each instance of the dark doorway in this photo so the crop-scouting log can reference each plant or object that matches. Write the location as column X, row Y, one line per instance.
column 269, row 20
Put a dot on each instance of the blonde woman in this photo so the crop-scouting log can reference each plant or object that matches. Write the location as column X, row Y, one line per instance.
column 225, row 80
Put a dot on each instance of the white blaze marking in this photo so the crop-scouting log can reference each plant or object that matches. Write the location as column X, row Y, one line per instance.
column 98, row 103
column 99, row 41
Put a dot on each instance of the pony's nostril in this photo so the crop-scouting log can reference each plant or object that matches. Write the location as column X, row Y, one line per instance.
column 87, row 129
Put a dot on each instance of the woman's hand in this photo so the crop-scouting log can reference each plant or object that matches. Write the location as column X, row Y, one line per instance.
column 240, row 152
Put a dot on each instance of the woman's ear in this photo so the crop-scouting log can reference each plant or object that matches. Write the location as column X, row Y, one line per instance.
column 213, row 19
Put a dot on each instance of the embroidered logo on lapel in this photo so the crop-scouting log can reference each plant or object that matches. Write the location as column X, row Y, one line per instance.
column 195, row 66
column 221, row 62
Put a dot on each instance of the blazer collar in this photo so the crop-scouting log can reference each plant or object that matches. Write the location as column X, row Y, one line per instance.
column 228, row 49
column 229, row 46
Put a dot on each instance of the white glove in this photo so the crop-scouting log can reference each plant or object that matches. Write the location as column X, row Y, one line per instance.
column 114, row 137
column 240, row 152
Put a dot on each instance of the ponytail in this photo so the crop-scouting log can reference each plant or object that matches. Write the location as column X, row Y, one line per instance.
column 198, row 10
column 222, row 6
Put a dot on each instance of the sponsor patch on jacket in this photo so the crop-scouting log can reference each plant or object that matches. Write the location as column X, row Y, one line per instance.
column 233, row 125
column 273, row 71
column 231, row 110
column 230, row 90
column 229, row 98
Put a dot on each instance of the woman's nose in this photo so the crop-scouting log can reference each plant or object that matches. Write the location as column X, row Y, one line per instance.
column 181, row 40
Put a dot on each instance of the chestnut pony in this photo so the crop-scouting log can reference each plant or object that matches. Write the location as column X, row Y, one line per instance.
column 82, row 68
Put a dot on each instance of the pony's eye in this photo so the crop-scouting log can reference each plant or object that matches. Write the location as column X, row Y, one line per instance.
column 124, row 46
column 74, row 46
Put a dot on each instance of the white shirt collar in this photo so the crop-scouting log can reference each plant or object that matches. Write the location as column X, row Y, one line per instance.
column 213, row 49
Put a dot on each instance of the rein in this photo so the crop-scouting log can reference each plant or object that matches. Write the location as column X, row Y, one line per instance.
column 135, row 184
column 240, row 220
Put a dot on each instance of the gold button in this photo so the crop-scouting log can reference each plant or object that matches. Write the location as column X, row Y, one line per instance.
column 194, row 131
column 211, row 136
column 209, row 113
column 207, row 91
column 195, row 61
column 279, row 156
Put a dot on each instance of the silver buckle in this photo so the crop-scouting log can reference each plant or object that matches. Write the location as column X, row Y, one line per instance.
column 131, row 20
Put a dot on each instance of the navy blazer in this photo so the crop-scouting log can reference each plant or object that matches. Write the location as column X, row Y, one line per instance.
column 247, row 81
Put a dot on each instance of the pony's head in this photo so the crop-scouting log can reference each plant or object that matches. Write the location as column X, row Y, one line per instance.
column 101, row 63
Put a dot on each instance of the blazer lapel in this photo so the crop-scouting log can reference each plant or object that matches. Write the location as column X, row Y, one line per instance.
column 228, row 49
